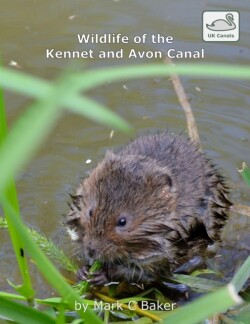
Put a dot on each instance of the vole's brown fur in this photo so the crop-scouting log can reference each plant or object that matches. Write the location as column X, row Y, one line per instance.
column 148, row 208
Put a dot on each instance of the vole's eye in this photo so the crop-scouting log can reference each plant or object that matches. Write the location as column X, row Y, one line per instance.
column 90, row 212
column 122, row 221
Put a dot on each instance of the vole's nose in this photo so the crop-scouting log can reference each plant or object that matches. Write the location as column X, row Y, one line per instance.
column 91, row 252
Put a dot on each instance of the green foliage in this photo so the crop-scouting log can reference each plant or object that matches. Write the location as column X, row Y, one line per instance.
column 245, row 173
column 17, row 148
column 198, row 284
column 51, row 274
column 53, row 252
column 9, row 191
column 83, row 287
column 205, row 306
column 23, row 314
column 48, row 247
column 3, row 223
column 242, row 275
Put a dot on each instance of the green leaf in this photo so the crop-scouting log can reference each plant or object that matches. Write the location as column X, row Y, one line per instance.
column 52, row 275
column 3, row 223
column 11, row 296
column 95, row 111
column 202, row 284
column 40, row 89
column 241, row 275
column 48, row 247
column 33, row 127
column 90, row 79
column 26, row 136
column 83, row 287
column 23, row 314
column 245, row 173
column 10, row 193
column 23, row 83
column 205, row 306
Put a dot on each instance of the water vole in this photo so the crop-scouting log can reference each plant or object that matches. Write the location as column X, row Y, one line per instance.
column 148, row 208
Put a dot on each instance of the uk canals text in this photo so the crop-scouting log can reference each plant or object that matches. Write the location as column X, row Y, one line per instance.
column 101, row 46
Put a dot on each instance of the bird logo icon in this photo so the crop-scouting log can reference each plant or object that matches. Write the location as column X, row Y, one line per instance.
column 223, row 24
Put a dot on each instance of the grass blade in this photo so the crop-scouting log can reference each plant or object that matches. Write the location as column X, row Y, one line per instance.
column 48, row 247
column 40, row 89
column 25, row 137
column 25, row 84
column 205, row 306
column 52, row 275
column 11, row 195
column 201, row 284
column 95, row 111
column 242, row 275
column 91, row 79
column 23, row 314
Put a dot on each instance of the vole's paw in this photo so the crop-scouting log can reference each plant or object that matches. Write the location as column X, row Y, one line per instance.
column 98, row 278
column 82, row 273
column 176, row 289
column 191, row 265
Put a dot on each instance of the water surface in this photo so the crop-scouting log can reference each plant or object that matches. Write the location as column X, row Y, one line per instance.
column 221, row 107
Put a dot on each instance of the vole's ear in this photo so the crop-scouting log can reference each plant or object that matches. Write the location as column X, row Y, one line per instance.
column 159, row 177
column 166, row 179
column 73, row 216
column 71, row 222
column 76, row 202
column 159, row 180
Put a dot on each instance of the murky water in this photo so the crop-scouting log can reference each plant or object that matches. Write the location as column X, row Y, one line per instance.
column 221, row 107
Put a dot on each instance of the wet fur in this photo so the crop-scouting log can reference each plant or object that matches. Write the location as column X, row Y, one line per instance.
column 174, row 201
